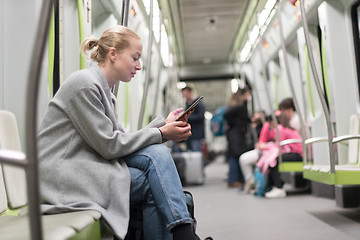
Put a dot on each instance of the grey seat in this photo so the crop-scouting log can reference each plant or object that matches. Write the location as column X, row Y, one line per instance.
column 14, row 224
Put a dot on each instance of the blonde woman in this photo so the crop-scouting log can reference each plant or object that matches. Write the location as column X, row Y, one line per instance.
column 88, row 161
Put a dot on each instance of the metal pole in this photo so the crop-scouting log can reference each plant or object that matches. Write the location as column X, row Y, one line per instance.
column 124, row 22
column 158, row 74
column 126, row 13
column 291, row 84
column 31, row 117
column 148, row 62
column 318, row 87
column 265, row 79
column 257, row 95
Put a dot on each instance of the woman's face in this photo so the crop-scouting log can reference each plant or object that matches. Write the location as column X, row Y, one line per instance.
column 128, row 60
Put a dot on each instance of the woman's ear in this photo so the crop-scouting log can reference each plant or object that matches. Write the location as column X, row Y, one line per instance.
column 112, row 54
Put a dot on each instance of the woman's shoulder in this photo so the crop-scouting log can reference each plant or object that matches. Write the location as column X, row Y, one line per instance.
column 78, row 81
column 81, row 78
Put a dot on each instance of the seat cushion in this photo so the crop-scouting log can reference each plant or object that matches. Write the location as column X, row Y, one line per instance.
column 55, row 227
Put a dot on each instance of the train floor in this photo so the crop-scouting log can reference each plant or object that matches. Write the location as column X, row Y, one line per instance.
column 228, row 214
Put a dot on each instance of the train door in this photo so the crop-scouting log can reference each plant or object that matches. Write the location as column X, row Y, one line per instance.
column 316, row 121
column 336, row 46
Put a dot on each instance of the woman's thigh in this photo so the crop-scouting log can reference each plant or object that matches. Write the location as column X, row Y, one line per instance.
column 157, row 155
column 249, row 157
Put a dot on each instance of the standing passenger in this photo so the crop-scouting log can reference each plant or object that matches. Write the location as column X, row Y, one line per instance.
column 88, row 161
column 238, row 120
column 196, row 120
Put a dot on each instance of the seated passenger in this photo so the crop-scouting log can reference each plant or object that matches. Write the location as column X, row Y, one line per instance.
column 287, row 107
column 248, row 159
column 290, row 153
column 88, row 161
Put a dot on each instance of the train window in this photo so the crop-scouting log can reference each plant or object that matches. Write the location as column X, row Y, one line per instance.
column 355, row 16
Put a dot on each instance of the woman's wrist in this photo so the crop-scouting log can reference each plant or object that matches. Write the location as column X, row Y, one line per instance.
column 162, row 135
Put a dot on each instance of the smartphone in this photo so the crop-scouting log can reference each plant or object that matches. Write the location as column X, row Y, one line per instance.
column 192, row 106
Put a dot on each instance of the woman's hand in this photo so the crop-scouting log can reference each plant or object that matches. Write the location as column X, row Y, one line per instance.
column 261, row 146
column 173, row 116
column 176, row 131
column 185, row 118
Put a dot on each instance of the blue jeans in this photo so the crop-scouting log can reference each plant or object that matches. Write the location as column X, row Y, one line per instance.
column 155, row 183
column 235, row 173
column 194, row 145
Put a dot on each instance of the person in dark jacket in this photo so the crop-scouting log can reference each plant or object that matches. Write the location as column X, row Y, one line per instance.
column 238, row 122
column 196, row 121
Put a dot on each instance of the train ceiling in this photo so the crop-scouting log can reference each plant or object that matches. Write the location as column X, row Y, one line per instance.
column 205, row 31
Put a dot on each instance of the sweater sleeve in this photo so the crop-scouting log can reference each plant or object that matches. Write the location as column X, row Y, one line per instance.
column 264, row 133
column 88, row 115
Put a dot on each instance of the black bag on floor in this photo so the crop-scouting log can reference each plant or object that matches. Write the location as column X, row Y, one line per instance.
column 135, row 230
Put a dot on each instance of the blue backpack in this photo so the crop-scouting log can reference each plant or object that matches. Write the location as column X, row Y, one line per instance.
column 218, row 124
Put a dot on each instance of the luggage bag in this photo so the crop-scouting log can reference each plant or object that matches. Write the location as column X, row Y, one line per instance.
column 190, row 167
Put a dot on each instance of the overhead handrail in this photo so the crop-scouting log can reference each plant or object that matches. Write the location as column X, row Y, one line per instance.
column 318, row 88
column 291, row 84
column 265, row 79
column 147, row 72
column 124, row 22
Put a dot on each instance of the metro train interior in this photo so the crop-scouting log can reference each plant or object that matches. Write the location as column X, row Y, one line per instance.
column 307, row 50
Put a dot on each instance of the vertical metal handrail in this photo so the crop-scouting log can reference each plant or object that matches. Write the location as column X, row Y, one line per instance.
column 125, row 16
column 31, row 119
column 124, row 22
column 318, row 87
column 291, row 84
column 257, row 95
column 157, row 89
column 265, row 79
column 81, row 30
column 148, row 62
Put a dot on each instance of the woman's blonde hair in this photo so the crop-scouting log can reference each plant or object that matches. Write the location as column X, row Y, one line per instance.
column 116, row 36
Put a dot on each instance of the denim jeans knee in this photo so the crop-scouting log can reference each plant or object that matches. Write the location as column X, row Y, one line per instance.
column 159, row 168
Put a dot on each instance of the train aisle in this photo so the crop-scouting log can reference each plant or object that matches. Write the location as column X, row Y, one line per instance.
column 227, row 214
